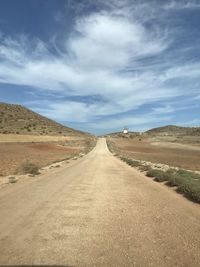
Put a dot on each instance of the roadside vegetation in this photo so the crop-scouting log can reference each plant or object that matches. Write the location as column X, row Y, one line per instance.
column 184, row 181
column 90, row 143
column 12, row 179
column 112, row 147
column 29, row 167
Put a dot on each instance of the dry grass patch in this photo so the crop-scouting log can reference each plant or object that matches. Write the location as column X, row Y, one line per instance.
column 29, row 167
column 182, row 156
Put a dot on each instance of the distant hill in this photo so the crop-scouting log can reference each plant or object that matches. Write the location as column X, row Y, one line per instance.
column 169, row 130
column 16, row 119
column 174, row 130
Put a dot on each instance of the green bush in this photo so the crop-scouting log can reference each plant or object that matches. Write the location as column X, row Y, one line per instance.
column 187, row 183
column 12, row 180
column 160, row 176
column 188, row 174
column 191, row 190
column 131, row 162
column 145, row 168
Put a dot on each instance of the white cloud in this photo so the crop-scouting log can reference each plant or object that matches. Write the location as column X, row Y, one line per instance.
column 163, row 110
column 183, row 71
column 112, row 42
column 97, row 54
column 129, row 121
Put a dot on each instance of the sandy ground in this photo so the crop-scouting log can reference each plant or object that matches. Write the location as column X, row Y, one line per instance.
column 184, row 156
column 97, row 211
column 13, row 155
column 177, row 145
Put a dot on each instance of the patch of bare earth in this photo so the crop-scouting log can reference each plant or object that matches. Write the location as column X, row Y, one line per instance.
column 21, row 138
column 183, row 156
column 13, row 155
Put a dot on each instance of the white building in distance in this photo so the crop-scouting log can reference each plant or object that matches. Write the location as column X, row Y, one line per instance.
column 125, row 131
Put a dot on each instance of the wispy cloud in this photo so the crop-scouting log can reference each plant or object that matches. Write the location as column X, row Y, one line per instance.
column 182, row 4
column 100, row 47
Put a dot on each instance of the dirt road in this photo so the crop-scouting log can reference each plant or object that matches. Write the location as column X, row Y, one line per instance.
column 97, row 211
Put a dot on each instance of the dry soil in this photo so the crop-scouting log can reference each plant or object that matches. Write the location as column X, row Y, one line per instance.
column 97, row 211
column 184, row 156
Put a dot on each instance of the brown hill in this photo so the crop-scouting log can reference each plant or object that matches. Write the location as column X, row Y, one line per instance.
column 168, row 130
column 175, row 130
column 16, row 119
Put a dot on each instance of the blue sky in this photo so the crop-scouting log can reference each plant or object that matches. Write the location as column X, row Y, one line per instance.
column 102, row 65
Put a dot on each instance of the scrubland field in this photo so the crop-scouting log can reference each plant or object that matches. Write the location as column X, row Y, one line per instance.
column 174, row 163
column 15, row 150
column 28, row 139
column 181, row 155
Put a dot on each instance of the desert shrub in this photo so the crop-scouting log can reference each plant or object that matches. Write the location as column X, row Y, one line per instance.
column 190, row 189
column 188, row 174
column 187, row 182
column 145, row 167
column 112, row 147
column 12, row 179
column 159, row 175
column 152, row 173
column 182, row 177
column 131, row 162
column 29, row 167
column 174, row 180
column 134, row 163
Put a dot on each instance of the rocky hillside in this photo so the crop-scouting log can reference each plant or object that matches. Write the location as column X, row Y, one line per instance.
column 16, row 119
column 169, row 130
column 175, row 130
